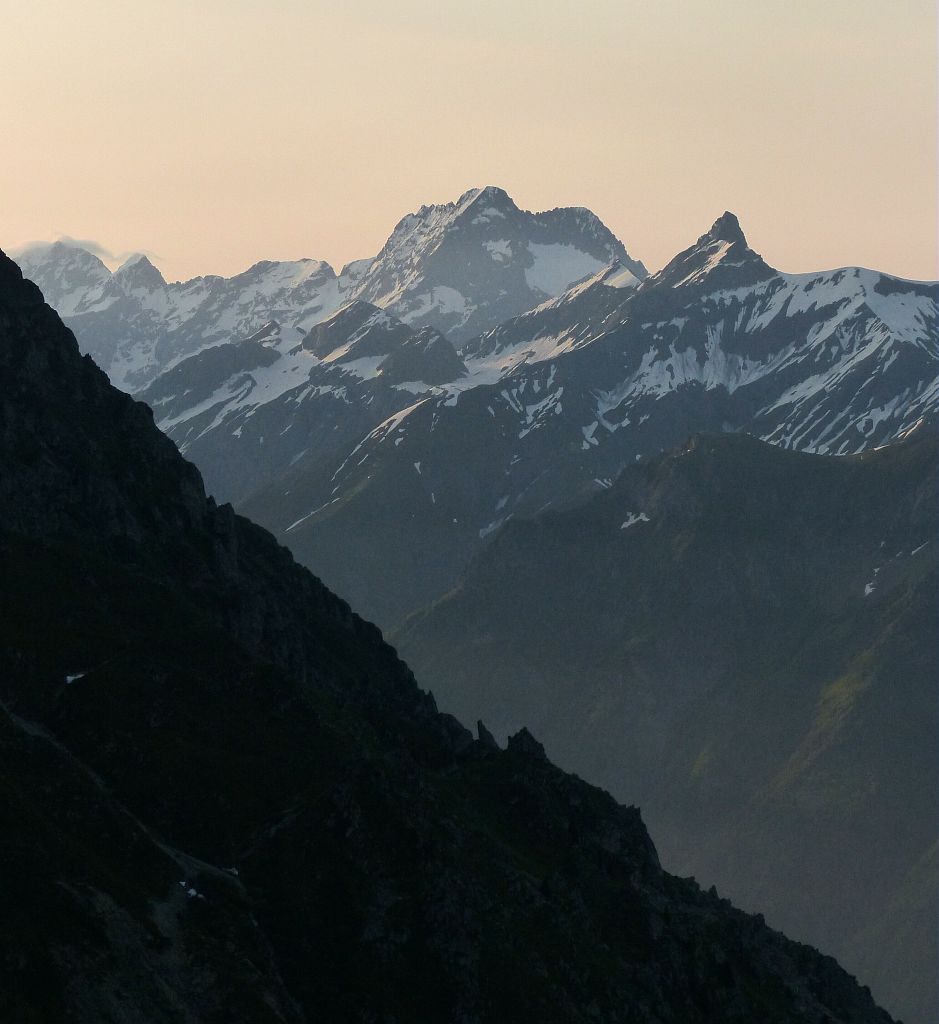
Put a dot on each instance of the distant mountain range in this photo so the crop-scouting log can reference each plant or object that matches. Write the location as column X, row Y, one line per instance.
column 544, row 387
column 225, row 798
column 462, row 267
column 555, row 403
column 743, row 639
column 135, row 325
column 494, row 375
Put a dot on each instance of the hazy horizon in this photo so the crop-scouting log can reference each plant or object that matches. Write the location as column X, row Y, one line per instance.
column 214, row 137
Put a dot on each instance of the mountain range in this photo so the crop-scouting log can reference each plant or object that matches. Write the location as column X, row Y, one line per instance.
column 225, row 797
column 505, row 260
column 557, row 402
column 387, row 475
column 480, row 439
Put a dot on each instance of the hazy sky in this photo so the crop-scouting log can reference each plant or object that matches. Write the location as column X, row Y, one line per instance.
column 213, row 133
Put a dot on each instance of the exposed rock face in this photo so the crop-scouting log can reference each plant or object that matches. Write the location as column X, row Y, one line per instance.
column 225, row 797
column 524, row 743
column 427, row 357
column 257, row 409
column 360, row 329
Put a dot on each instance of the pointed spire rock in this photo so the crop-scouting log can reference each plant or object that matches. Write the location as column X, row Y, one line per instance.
column 727, row 229
column 720, row 258
column 486, row 738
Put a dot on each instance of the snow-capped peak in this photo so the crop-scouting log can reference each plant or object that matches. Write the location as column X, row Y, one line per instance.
column 489, row 200
column 72, row 279
column 138, row 272
column 466, row 266
column 64, row 253
column 132, row 261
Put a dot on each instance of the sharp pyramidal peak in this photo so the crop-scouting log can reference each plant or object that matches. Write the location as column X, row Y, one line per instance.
column 720, row 258
column 727, row 229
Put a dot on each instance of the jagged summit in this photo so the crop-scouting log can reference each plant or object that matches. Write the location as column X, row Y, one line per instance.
column 462, row 267
column 727, row 229
column 466, row 266
column 488, row 194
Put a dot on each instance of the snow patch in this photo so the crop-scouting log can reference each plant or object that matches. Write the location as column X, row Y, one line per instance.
column 632, row 518
column 556, row 266
column 500, row 250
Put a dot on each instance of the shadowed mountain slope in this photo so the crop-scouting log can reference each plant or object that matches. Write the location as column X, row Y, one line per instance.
column 743, row 639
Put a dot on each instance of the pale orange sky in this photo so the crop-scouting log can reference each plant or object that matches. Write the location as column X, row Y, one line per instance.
column 213, row 133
